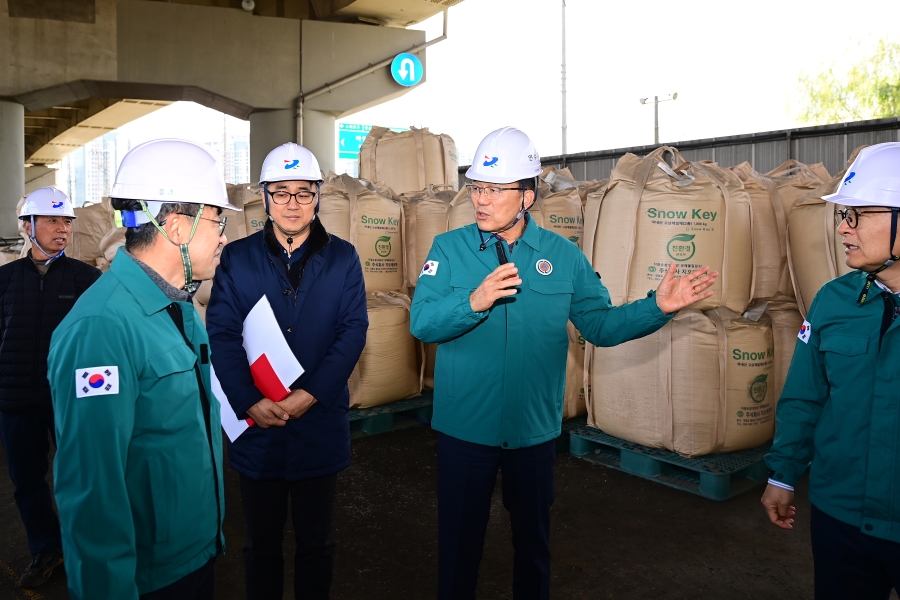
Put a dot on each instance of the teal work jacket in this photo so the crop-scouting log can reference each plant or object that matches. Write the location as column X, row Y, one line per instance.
column 839, row 413
column 500, row 374
column 135, row 473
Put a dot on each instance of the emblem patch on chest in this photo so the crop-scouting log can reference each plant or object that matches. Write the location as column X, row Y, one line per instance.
column 544, row 267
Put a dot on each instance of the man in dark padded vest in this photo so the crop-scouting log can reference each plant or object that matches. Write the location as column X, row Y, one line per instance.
column 36, row 292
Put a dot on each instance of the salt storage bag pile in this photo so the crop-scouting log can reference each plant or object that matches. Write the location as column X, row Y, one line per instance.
column 652, row 214
column 700, row 385
column 371, row 222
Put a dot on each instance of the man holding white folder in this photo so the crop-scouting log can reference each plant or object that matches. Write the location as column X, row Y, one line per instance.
column 287, row 323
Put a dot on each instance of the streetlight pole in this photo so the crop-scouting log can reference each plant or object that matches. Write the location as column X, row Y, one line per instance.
column 564, row 125
column 656, row 102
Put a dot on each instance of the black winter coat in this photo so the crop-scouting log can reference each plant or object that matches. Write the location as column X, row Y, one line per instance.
column 323, row 315
column 32, row 306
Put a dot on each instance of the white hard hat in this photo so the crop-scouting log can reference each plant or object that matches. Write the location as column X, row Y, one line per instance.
column 505, row 156
column 290, row 162
column 47, row 202
column 873, row 179
column 171, row 170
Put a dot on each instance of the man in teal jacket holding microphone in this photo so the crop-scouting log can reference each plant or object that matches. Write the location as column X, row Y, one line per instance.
column 138, row 469
column 496, row 296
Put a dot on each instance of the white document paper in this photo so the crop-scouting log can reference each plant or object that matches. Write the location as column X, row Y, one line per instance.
column 233, row 426
column 263, row 336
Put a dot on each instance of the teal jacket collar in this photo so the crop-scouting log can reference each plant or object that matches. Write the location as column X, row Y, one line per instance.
column 531, row 236
column 133, row 278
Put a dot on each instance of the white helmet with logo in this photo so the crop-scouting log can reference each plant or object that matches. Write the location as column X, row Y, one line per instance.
column 873, row 179
column 47, row 202
column 505, row 156
column 171, row 170
column 290, row 162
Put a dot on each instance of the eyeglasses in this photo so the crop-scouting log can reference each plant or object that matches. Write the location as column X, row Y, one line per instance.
column 851, row 215
column 490, row 192
column 303, row 197
column 221, row 223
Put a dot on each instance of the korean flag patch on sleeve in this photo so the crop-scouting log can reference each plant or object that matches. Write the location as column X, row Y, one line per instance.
column 805, row 331
column 96, row 381
column 430, row 268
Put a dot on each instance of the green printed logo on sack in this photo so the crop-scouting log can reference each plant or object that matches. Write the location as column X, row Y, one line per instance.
column 758, row 388
column 681, row 247
column 573, row 239
column 383, row 246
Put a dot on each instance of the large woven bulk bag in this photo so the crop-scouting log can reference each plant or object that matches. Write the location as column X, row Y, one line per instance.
column 815, row 248
column 651, row 214
column 389, row 367
column 109, row 247
column 238, row 195
column 254, row 216
column 786, row 323
column 562, row 213
column 462, row 212
column 409, row 160
column 573, row 402
column 769, row 227
column 700, row 385
column 794, row 179
column 371, row 222
column 91, row 224
column 425, row 213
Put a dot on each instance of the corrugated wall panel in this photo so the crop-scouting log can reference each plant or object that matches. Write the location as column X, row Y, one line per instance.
column 697, row 155
column 829, row 144
column 855, row 140
column 729, row 156
column 768, row 155
column 825, row 149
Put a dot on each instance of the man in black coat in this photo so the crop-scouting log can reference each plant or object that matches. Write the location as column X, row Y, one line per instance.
column 313, row 282
column 36, row 293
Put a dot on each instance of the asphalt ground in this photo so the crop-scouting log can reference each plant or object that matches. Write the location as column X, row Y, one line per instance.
column 614, row 535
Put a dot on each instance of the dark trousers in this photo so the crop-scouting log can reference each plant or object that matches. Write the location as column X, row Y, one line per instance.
column 25, row 440
column 849, row 563
column 467, row 474
column 193, row 586
column 265, row 511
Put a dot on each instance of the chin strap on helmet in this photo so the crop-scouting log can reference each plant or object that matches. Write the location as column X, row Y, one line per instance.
column 190, row 286
column 870, row 278
column 34, row 242
column 521, row 213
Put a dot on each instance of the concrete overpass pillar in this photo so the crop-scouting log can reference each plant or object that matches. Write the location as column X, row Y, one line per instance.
column 318, row 136
column 269, row 129
column 12, row 161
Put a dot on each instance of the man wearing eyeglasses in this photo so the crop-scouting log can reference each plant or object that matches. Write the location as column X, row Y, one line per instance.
column 314, row 284
column 496, row 297
column 839, row 413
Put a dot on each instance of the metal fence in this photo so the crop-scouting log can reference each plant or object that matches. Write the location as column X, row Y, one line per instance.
column 827, row 144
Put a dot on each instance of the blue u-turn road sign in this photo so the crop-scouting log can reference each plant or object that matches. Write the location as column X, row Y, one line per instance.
column 407, row 69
